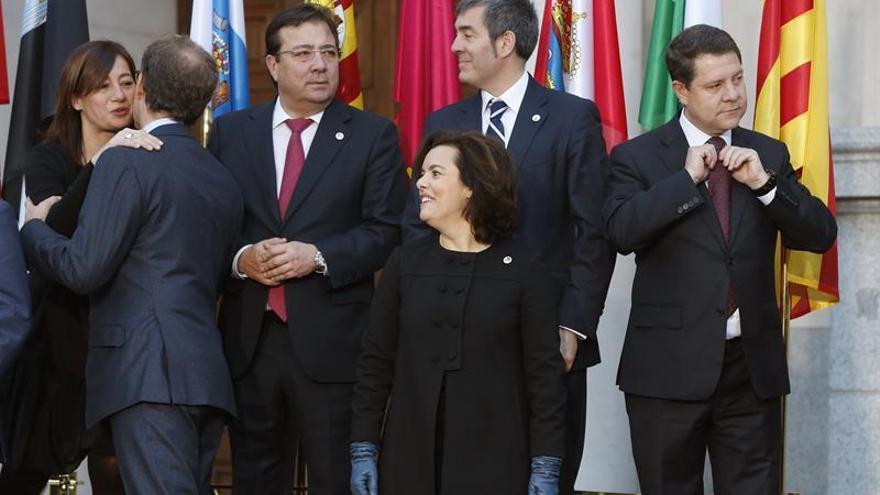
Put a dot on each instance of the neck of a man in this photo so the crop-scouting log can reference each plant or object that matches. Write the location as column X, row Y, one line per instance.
column 149, row 116
column 504, row 79
column 301, row 110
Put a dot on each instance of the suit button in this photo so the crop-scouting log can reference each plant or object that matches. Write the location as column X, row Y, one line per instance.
column 685, row 206
column 696, row 199
column 451, row 357
column 679, row 210
column 459, row 290
column 441, row 289
column 435, row 359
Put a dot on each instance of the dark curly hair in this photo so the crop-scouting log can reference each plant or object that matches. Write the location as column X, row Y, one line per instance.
column 487, row 170
column 179, row 77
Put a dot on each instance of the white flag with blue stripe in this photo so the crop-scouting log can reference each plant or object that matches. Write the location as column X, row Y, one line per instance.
column 218, row 27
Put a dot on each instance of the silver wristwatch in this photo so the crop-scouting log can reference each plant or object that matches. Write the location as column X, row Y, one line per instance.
column 320, row 264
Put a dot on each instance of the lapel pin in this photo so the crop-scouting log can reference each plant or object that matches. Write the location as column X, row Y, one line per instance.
column 536, row 118
column 507, row 260
column 340, row 136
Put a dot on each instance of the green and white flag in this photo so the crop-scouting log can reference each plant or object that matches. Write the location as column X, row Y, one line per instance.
column 659, row 103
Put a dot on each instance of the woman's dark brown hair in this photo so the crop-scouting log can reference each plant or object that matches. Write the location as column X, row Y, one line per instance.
column 85, row 71
column 487, row 170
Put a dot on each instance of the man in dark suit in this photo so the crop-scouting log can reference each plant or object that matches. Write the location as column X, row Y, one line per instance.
column 153, row 244
column 15, row 297
column 555, row 139
column 324, row 187
column 703, row 363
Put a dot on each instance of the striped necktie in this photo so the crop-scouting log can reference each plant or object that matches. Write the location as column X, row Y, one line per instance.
column 496, row 126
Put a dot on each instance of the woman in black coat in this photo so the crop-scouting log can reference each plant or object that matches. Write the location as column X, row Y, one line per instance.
column 463, row 339
column 93, row 110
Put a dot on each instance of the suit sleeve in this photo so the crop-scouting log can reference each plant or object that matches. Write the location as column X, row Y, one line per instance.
column 375, row 366
column 412, row 227
column 359, row 252
column 583, row 299
column 15, row 302
column 636, row 213
column 805, row 222
column 109, row 223
column 544, row 368
column 46, row 177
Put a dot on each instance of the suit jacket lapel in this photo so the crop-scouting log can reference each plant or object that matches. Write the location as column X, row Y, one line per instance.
column 531, row 116
column 740, row 194
column 673, row 157
column 332, row 134
column 258, row 145
column 472, row 113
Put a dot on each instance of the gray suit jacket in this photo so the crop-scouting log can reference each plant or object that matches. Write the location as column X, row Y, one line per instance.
column 154, row 240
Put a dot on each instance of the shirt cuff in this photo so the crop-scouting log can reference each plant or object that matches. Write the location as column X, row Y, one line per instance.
column 235, row 273
column 577, row 334
column 768, row 198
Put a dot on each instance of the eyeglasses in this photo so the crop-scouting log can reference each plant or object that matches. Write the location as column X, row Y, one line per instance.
column 306, row 55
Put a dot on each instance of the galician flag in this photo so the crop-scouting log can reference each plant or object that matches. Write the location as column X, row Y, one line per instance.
column 659, row 103
column 218, row 27
column 578, row 53
column 792, row 105
column 349, row 72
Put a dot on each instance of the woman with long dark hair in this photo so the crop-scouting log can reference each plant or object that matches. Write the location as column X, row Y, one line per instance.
column 92, row 114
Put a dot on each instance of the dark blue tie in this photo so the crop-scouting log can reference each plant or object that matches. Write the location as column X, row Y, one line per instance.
column 496, row 127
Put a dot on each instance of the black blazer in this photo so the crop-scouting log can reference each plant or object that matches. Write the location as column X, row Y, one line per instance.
column 478, row 329
column 558, row 148
column 674, row 345
column 154, row 241
column 347, row 201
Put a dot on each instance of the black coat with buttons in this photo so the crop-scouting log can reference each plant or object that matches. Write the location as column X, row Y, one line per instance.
column 674, row 345
column 479, row 329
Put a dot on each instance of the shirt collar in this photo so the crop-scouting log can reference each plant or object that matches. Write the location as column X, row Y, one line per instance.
column 158, row 123
column 514, row 95
column 695, row 136
column 279, row 116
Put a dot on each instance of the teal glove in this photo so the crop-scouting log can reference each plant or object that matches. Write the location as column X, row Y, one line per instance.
column 545, row 475
column 364, row 473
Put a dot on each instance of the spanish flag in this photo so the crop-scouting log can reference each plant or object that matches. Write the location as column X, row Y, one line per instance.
column 792, row 105
column 349, row 72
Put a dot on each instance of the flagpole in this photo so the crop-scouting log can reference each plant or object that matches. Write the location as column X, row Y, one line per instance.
column 786, row 331
column 205, row 126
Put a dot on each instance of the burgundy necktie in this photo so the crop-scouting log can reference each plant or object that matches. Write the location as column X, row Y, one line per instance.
column 293, row 165
column 719, row 191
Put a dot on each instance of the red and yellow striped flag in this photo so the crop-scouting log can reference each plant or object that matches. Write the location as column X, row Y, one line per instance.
column 349, row 72
column 792, row 105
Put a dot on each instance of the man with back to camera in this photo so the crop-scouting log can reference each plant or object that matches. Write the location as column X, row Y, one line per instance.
column 700, row 201
column 324, row 187
column 555, row 139
column 153, row 244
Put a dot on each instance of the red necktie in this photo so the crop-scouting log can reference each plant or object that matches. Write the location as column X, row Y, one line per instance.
column 719, row 191
column 293, row 165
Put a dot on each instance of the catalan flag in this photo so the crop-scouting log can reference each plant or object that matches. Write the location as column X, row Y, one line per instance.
column 578, row 53
column 792, row 105
column 349, row 72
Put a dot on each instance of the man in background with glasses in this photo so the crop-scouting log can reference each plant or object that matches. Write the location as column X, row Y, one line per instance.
column 324, row 188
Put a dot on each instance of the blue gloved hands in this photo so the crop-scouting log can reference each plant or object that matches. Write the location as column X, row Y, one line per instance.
column 364, row 473
column 545, row 475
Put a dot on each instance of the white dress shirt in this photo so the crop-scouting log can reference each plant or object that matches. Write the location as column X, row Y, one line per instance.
column 513, row 97
column 696, row 137
column 280, row 139
column 158, row 123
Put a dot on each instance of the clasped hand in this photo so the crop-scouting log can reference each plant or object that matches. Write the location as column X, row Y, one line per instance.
column 272, row 261
column 744, row 164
